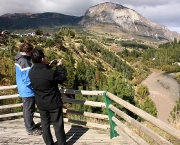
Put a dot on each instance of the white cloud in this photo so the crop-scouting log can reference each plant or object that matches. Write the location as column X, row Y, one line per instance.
column 165, row 12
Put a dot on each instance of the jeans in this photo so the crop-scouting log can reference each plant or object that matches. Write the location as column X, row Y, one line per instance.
column 28, row 113
column 56, row 118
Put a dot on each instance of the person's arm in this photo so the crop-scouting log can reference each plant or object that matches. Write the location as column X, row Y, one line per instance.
column 60, row 73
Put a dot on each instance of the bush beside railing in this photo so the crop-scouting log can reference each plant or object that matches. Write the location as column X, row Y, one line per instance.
column 117, row 127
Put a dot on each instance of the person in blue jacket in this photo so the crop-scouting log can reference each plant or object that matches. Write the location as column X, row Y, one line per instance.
column 23, row 65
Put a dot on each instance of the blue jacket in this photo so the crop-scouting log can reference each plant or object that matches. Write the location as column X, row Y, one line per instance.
column 23, row 66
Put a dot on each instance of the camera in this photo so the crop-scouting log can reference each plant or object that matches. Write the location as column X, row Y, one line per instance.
column 54, row 62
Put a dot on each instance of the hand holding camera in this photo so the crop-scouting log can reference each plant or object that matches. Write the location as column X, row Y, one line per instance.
column 56, row 62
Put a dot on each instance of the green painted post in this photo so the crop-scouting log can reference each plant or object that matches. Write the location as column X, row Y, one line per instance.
column 113, row 133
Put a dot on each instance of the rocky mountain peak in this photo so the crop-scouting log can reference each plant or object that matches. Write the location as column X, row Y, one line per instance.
column 127, row 19
column 110, row 11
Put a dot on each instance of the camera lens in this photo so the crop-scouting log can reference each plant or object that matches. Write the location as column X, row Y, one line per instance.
column 55, row 61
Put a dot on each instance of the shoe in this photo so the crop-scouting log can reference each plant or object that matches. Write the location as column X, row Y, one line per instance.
column 38, row 125
column 35, row 132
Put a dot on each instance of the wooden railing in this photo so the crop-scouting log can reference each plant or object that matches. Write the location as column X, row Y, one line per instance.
column 117, row 127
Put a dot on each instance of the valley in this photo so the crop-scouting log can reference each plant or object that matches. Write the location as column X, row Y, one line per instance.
column 126, row 55
column 164, row 98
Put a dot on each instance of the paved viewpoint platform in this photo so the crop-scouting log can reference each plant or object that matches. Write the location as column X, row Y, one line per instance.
column 12, row 132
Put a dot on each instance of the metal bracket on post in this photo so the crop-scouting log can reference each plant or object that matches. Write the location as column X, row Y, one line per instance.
column 113, row 133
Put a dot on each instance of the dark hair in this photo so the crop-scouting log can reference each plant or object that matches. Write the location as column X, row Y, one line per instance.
column 37, row 55
column 26, row 47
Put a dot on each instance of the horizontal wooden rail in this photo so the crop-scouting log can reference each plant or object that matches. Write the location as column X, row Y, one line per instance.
column 154, row 136
column 8, row 87
column 82, row 92
column 88, row 124
column 88, row 103
column 9, row 96
column 11, row 106
column 37, row 114
column 11, row 115
column 160, row 124
column 129, row 132
column 65, row 91
column 87, row 114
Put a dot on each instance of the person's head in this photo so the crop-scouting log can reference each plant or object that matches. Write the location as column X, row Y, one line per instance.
column 37, row 56
column 26, row 48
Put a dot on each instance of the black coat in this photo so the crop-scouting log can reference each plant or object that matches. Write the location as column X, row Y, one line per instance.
column 45, row 85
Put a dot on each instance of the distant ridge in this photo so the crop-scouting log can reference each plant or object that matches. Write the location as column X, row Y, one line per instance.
column 120, row 18
column 28, row 20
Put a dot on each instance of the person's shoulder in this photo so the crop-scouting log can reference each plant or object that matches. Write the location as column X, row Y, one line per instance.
column 24, row 63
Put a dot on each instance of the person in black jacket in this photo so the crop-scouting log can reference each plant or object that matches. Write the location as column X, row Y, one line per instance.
column 47, row 96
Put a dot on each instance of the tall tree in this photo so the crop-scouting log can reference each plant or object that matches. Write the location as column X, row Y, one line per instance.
column 81, row 73
column 69, row 65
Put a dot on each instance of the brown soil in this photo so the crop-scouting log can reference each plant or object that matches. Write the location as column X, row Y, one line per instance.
column 163, row 98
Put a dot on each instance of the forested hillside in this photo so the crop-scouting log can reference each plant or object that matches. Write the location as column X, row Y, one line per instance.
column 92, row 63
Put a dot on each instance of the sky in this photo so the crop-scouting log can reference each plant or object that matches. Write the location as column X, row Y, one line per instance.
column 165, row 12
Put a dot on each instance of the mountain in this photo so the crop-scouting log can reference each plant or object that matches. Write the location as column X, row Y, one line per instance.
column 28, row 20
column 125, row 19
column 103, row 18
